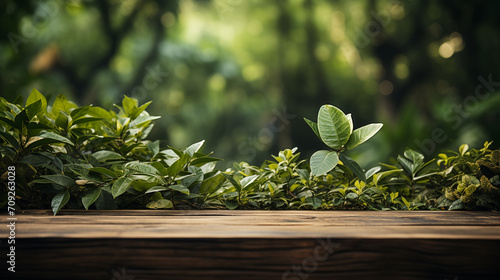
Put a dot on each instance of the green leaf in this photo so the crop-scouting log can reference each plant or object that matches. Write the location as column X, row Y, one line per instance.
column 160, row 204
column 142, row 119
column 352, row 196
column 120, row 186
column 59, row 200
column 81, row 111
column 231, row 204
column 191, row 150
column 104, row 171
column 61, row 104
column 174, row 169
column 457, row 205
column 142, row 168
column 416, row 157
column 8, row 121
column 179, row 188
column 353, row 166
column 21, row 118
column 315, row 202
column 91, row 197
column 362, row 134
column 34, row 96
column 351, row 125
column 33, row 109
column 333, row 126
column 323, row 161
column 233, row 181
column 103, row 156
column 313, row 126
column 85, row 120
column 372, row 171
column 62, row 121
column 129, row 106
column 57, row 138
column 60, row 179
column 247, row 181
column 203, row 160
column 157, row 189
column 407, row 165
column 142, row 108
column 197, row 176
column 407, row 204
column 154, row 147
column 210, row 185
column 10, row 139
column 463, row 149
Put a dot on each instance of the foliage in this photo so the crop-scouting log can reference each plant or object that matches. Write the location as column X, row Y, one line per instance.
column 335, row 129
column 88, row 157
column 83, row 156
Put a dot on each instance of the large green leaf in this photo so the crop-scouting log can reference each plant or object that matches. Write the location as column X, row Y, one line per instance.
column 55, row 137
column 416, row 157
column 60, row 179
column 362, row 134
column 120, row 186
column 353, row 166
column 211, row 184
column 33, row 109
column 59, row 201
column 129, row 106
column 333, row 126
column 103, row 156
column 174, row 169
column 61, row 104
column 179, row 188
column 142, row 168
column 91, row 197
column 34, row 96
column 323, row 161
column 247, row 181
column 191, row 150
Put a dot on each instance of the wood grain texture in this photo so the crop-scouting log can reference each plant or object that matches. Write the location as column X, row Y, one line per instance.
column 257, row 259
column 258, row 224
column 294, row 245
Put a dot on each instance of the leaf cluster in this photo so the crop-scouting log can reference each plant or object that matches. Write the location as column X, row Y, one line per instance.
column 89, row 157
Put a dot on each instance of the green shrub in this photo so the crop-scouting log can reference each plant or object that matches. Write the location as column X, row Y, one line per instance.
column 88, row 157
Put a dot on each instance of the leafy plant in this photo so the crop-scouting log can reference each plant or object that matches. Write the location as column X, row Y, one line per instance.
column 86, row 157
column 335, row 129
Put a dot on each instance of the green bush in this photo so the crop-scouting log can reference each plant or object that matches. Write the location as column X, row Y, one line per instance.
column 88, row 157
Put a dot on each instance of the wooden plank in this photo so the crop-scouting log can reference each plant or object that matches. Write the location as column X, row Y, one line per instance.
column 256, row 259
column 259, row 224
column 255, row 245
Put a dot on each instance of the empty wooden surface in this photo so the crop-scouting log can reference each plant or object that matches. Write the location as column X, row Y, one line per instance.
column 131, row 244
column 258, row 224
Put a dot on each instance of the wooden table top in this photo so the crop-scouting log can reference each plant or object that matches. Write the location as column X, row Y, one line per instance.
column 255, row 224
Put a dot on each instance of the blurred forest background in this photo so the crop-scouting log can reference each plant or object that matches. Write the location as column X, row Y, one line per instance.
column 242, row 74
